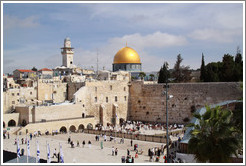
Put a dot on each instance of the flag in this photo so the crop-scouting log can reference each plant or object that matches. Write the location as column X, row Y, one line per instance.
column 117, row 116
column 61, row 155
column 28, row 148
column 38, row 153
column 18, row 148
column 48, row 153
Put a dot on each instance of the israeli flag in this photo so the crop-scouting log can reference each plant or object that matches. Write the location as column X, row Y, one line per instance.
column 61, row 155
column 18, row 148
column 28, row 148
column 38, row 153
column 48, row 154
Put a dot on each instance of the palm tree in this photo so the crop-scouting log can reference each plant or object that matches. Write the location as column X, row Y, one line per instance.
column 213, row 138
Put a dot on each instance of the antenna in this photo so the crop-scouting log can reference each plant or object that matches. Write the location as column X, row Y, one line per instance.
column 97, row 62
column 126, row 43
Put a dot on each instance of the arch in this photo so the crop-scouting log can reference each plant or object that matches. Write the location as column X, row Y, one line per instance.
column 3, row 124
column 83, row 115
column 63, row 129
column 11, row 123
column 81, row 127
column 90, row 126
column 72, row 128
column 23, row 123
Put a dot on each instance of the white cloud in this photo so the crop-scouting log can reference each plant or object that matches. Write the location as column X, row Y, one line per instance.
column 15, row 22
column 215, row 35
column 87, row 58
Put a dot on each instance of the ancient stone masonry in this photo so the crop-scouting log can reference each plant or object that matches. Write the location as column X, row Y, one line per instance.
column 148, row 103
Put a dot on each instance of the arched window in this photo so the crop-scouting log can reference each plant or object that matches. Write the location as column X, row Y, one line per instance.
column 24, row 123
column 72, row 128
column 63, row 129
column 11, row 123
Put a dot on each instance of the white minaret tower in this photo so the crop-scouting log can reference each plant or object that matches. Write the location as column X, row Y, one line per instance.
column 67, row 54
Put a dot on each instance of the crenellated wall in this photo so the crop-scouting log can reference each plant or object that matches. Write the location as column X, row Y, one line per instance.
column 148, row 103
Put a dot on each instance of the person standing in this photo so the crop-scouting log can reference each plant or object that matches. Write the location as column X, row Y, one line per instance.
column 89, row 143
column 131, row 142
column 116, row 151
column 8, row 135
column 54, row 153
column 68, row 140
column 112, row 150
column 83, row 143
column 132, row 160
column 128, row 152
column 77, row 143
column 101, row 144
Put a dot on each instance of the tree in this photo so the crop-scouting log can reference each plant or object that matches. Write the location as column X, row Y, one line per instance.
column 227, row 68
column 238, row 67
column 152, row 77
column 213, row 139
column 34, row 69
column 181, row 73
column 164, row 73
column 202, row 70
column 141, row 75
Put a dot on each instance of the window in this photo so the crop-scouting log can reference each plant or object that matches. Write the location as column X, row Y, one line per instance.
column 13, row 102
column 96, row 89
column 13, row 94
column 125, row 98
column 115, row 99
column 71, row 62
column 124, row 88
column 95, row 99
column 30, row 93
column 111, row 87
column 106, row 99
column 18, row 94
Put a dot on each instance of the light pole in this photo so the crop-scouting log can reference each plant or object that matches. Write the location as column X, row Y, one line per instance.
column 167, row 97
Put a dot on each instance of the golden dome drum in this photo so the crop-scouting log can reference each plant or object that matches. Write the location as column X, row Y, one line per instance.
column 126, row 55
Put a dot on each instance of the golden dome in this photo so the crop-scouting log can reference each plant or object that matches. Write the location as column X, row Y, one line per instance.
column 126, row 55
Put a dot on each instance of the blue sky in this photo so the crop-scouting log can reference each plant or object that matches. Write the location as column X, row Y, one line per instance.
column 34, row 33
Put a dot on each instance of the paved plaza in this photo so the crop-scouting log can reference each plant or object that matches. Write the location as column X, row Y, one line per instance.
column 93, row 154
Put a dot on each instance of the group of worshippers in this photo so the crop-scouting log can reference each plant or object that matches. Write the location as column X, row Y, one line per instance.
column 155, row 153
column 83, row 143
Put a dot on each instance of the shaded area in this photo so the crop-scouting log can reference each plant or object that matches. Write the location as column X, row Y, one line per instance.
column 10, row 157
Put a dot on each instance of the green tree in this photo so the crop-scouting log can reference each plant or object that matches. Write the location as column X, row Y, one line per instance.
column 213, row 139
column 202, row 70
column 141, row 75
column 227, row 68
column 181, row 73
column 164, row 73
column 34, row 69
column 238, row 68
column 152, row 77
column 212, row 72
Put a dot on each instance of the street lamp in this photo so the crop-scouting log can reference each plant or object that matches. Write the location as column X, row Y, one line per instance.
column 167, row 97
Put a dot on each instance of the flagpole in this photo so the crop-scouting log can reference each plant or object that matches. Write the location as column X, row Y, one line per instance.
column 26, row 150
column 59, row 153
column 36, row 151
column 46, row 151
column 17, row 141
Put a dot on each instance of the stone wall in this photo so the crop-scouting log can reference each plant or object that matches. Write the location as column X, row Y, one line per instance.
column 72, row 88
column 13, row 97
column 104, row 100
column 57, row 125
column 52, row 90
column 148, row 103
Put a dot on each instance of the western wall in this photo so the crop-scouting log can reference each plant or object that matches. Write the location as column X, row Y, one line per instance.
column 148, row 103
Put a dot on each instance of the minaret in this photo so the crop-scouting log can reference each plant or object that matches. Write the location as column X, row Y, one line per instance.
column 67, row 54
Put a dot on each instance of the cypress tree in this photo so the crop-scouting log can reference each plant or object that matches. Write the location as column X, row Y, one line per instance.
column 202, row 70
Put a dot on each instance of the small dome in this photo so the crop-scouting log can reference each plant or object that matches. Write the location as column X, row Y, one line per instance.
column 67, row 39
column 126, row 55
